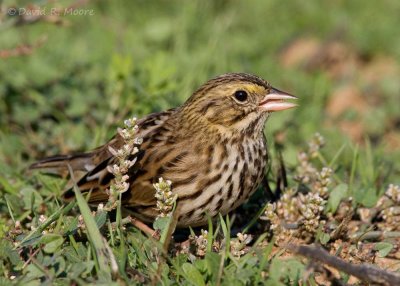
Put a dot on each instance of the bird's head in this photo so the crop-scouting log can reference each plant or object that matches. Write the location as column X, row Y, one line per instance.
column 236, row 102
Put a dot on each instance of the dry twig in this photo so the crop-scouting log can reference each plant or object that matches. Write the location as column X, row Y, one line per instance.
column 364, row 272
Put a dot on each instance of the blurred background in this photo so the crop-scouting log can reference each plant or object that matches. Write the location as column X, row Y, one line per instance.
column 71, row 71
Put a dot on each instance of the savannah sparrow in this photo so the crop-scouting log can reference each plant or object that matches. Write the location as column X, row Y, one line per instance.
column 212, row 149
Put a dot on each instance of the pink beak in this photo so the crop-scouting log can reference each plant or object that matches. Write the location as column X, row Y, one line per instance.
column 275, row 101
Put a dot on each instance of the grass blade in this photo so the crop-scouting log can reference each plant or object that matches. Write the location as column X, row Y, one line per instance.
column 97, row 241
column 95, row 238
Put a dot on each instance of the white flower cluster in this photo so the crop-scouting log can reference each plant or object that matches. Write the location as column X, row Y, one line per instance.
column 124, row 161
column 311, row 208
column 316, row 143
column 199, row 243
column 391, row 208
column 295, row 212
column 322, row 181
column 393, row 192
column 165, row 198
column 286, row 209
column 281, row 213
column 239, row 245
column 305, row 171
column 271, row 216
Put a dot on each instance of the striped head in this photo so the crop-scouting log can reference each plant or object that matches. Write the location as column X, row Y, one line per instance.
column 236, row 102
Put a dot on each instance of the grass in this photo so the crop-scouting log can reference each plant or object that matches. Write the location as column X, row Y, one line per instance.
column 83, row 77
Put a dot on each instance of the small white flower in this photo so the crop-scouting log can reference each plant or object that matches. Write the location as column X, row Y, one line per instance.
column 120, row 169
column 42, row 218
column 112, row 151
column 127, row 123
column 138, row 141
column 100, row 207
column 164, row 196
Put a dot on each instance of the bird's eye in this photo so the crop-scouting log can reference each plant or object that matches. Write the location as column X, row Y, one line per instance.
column 241, row 95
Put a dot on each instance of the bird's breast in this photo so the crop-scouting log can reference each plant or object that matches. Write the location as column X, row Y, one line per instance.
column 227, row 174
column 209, row 177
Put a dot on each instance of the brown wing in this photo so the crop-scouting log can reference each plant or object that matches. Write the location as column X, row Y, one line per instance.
column 98, row 179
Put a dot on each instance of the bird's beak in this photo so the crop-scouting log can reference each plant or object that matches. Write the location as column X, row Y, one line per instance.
column 275, row 100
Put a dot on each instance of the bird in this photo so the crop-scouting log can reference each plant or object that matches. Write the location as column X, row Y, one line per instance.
column 212, row 149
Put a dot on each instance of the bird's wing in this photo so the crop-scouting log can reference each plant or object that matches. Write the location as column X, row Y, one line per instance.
column 90, row 172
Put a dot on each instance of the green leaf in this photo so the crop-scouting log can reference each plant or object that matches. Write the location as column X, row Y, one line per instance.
column 44, row 225
column 81, row 267
column 200, row 265
column 383, row 248
column 335, row 197
column 276, row 269
column 51, row 242
column 7, row 186
column 31, row 198
column 94, row 235
column 6, row 250
column 70, row 225
column 161, row 223
column 226, row 232
column 324, row 238
column 193, row 275
column 367, row 197
column 213, row 261
column 100, row 219
column 60, row 265
column 71, row 255
column 289, row 270
column 33, row 271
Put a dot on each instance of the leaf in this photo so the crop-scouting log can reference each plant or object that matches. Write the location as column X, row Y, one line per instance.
column 276, row 269
column 71, row 226
column 32, row 239
column 213, row 261
column 60, row 265
column 31, row 198
column 94, row 235
column 367, row 197
column 200, row 264
column 81, row 267
column 383, row 248
column 290, row 269
column 51, row 242
column 193, row 275
column 226, row 232
column 6, row 250
column 71, row 255
column 100, row 219
column 324, row 238
column 33, row 271
column 7, row 186
column 41, row 227
column 161, row 223
column 335, row 197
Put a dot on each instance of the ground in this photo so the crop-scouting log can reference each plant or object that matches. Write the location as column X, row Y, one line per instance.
column 72, row 72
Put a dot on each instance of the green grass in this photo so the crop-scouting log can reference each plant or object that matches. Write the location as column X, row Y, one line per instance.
column 136, row 57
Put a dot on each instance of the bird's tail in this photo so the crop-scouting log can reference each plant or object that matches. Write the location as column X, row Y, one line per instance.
column 61, row 164
column 82, row 171
column 87, row 171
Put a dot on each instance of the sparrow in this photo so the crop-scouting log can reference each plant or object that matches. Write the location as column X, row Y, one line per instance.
column 212, row 148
